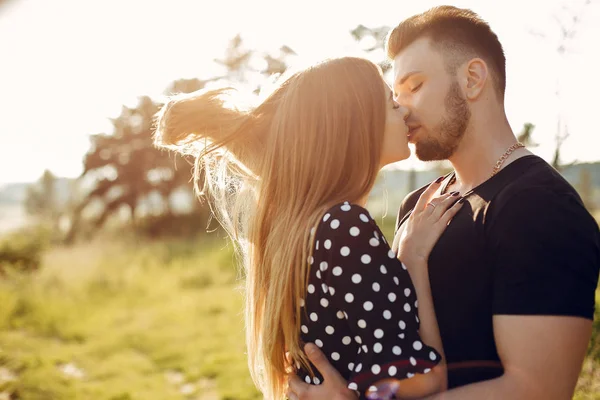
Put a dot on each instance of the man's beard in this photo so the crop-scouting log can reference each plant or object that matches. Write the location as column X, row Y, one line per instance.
column 443, row 141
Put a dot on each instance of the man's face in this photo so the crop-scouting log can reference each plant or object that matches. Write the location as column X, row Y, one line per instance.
column 439, row 112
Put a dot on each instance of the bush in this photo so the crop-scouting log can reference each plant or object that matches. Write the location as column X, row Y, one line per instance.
column 22, row 251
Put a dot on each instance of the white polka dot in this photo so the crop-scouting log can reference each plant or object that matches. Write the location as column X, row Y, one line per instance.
column 335, row 356
column 410, row 375
column 413, row 361
column 417, row 345
column 392, row 370
column 383, row 269
column 416, row 303
column 374, row 242
column 375, row 369
column 432, row 356
column 352, row 386
column 337, row 271
column 335, row 224
column 311, row 288
column 403, row 266
column 346, row 340
column 426, row 370
column 346, row 207
column 396, row 281
column 351, row 366
column 397, row 350
column 311, row 260
column 304, row 329
column 312, row 231
column 327, row 244
column 365, row 259
column 354, row 231
column 407, row 307
column 345, row 315
column 368, row 306
column 302, row 303
column 345, row 251
column 329, row 329
column 317, row 245
column 331, row 291
column 392, row 297
column 376, row 234
column 377, row 348
column 417, row 319
column 323, row 266
column 365, row 348
column 363, row 218
column 358, row 339
column 391, row 254
column 387, row 314
column 340, row 315
column 326, row 217
column 314, row 317
column 319, row 343
column 378, row 333
column 358, row 367
column 407, row 292
column 401, row 336
column 362, row 323
column 349, row 297
column 307, row 379
column 316, row 380
column 402, row 324
column 372, row 389
column 376, row 287
column 324, row 287
column 318, row 274
column 324, row 302
column 356, row 278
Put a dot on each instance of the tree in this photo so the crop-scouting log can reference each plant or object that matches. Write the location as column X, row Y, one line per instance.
column 126, row 167
column 41, row 200
column 372, row 41
column 568, row 21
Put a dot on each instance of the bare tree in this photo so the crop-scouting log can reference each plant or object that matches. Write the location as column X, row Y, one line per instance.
column 568, row 20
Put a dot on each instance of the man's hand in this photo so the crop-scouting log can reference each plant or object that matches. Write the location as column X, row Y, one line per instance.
column 334, row 386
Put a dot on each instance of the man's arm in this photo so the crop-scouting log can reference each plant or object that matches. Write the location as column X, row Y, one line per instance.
column 541, row 355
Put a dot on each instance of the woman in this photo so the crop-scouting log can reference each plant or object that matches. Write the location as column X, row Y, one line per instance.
column 289, row 180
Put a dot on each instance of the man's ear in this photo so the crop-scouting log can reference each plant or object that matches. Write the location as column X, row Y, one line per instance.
column 476, row 76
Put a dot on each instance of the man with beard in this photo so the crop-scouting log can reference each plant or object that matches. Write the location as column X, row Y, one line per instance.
column 513, row 277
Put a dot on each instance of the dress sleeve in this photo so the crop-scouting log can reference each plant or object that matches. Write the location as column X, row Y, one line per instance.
column 374, row 291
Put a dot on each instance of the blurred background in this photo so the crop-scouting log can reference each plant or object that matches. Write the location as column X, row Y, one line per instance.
column 114, row 281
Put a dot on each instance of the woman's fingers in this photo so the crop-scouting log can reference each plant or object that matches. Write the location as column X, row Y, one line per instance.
column 428, row 194
column 445, row 202
column 451, row 212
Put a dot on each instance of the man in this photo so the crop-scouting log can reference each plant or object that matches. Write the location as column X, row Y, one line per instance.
column 513, row 277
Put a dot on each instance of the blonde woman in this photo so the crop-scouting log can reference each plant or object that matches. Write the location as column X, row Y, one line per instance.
column 289, row 180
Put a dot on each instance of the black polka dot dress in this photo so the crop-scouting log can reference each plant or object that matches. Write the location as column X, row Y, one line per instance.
column 360, row 306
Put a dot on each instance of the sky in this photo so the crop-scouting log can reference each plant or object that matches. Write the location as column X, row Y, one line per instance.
column 67, row 66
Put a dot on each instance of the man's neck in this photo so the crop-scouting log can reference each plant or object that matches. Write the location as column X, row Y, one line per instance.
column 481, row 148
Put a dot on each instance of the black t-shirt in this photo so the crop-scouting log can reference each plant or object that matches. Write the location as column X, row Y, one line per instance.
column 523, row 244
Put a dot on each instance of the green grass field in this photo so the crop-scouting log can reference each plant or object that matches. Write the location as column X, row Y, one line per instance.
column 149, row 321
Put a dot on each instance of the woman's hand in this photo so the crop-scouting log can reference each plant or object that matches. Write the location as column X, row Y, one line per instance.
column 425, row 225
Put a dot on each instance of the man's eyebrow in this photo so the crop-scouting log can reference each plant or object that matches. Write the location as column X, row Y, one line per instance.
column 406, row 76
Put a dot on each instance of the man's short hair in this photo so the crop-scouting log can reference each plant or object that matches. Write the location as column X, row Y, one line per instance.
column 460, row 34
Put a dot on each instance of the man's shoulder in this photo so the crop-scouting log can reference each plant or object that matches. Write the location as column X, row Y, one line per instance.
column 537, row 183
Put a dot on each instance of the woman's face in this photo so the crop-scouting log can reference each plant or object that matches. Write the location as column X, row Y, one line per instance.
column 395, row 140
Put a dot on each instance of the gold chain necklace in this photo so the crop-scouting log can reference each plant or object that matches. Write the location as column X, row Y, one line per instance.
column 497, row 167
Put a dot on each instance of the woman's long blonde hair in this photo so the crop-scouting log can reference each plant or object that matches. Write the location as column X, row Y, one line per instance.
column 270, row 173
